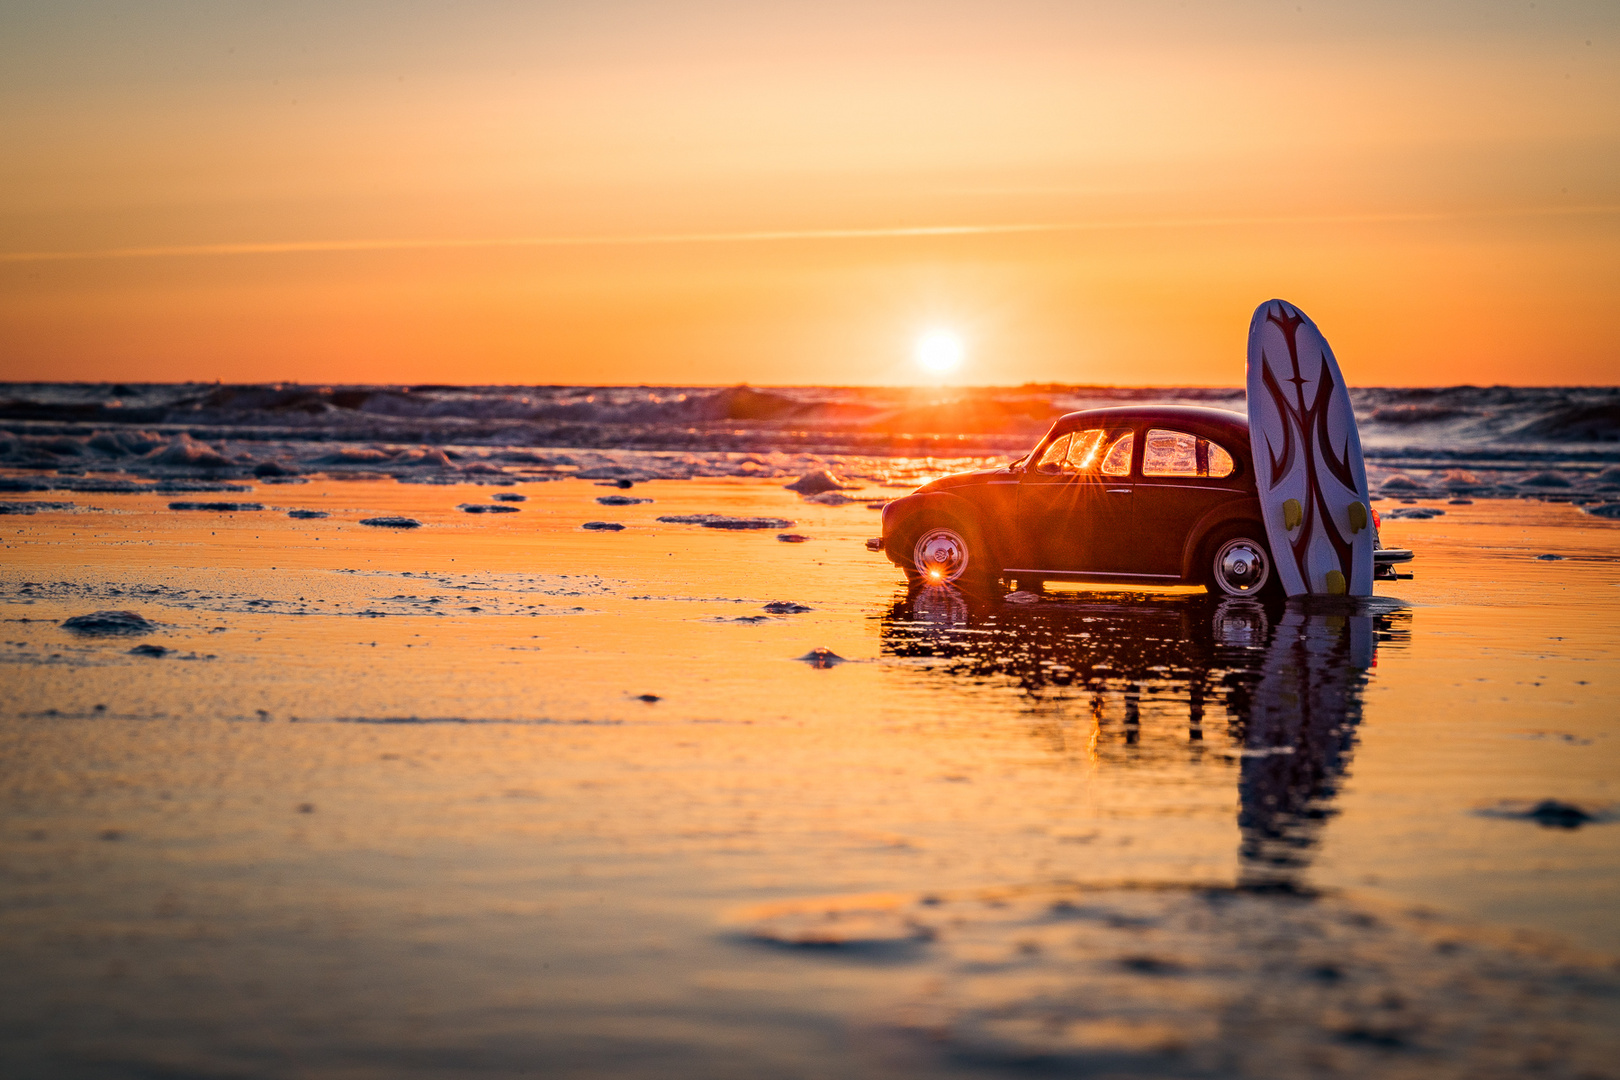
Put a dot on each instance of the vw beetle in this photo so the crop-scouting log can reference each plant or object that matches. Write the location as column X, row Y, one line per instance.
column 1150, row 495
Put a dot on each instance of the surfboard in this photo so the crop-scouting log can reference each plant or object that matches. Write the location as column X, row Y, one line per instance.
column 1309, row 473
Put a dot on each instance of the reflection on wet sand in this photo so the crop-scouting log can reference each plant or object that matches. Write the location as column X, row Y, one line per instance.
column 1299, row 730
column 1006, row 829
column 1286, row 681
column 1264, row 977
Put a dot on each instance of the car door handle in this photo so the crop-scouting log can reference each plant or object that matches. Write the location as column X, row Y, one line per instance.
column 1119, row 491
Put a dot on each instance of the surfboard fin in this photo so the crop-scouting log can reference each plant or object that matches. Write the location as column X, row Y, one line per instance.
column 1292, row 515
column 1358, row 517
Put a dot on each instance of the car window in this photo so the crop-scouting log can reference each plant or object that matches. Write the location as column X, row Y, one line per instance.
column 1170, row 453
column 1085, row 452
column 1052, row 460
column 1176, row 453
column 1117, row 462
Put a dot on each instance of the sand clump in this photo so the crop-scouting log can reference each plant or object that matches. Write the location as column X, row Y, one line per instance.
column 725, row 521
column 1549, row 813
column 831, row 498
column 172, row 485
column 42, row 506
column 108, row 623
column 221, row 507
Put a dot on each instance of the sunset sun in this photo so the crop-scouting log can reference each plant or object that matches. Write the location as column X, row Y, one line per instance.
column 939, row 351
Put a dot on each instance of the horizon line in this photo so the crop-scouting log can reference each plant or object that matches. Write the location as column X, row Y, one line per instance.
column 749, row 385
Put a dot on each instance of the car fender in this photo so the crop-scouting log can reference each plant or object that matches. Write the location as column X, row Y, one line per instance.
column 1241, row 507
column 900, row 514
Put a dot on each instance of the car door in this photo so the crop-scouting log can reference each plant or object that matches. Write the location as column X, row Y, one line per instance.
column 1183, row 476
column 1074, row 503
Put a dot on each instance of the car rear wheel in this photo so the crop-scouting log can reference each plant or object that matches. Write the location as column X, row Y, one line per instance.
column 1238, row 564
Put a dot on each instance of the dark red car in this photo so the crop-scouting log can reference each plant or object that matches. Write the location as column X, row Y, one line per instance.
column 1155, row 495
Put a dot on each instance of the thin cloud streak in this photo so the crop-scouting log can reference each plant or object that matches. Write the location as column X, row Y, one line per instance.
column 301, row 247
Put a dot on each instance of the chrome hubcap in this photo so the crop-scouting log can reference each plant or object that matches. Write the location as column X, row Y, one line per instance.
column 1241, row 567
column 940, row 555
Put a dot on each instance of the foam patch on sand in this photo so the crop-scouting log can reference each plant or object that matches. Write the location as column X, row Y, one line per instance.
column 354, row 594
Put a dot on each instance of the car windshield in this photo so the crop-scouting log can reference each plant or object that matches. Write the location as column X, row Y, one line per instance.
column 1054, row 458
column 1086, row 450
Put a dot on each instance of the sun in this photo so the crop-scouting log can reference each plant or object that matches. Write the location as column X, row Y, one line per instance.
column 939, row 351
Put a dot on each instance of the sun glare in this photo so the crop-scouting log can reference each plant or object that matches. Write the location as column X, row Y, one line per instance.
column 939, row 351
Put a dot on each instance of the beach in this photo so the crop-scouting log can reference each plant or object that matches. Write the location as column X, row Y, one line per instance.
column 502, row 795
column 461, row 466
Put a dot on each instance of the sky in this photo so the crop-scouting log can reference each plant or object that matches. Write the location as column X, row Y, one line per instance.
column 648, row 191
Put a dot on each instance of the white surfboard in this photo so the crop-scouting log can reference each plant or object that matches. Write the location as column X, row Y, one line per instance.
column 1307, row 458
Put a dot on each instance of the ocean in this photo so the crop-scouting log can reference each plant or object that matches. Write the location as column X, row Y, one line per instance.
column 1560, row 443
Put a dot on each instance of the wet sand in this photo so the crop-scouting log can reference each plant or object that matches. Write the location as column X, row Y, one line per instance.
column 385, row 802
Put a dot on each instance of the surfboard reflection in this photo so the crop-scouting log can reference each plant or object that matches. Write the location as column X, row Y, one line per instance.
column 1179, row 678
column 1298, row 734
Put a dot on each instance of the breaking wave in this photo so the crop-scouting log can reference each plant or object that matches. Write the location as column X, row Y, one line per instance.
column 210, row 434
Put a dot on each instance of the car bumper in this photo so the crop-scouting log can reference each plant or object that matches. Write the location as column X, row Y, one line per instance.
column 1384, row 560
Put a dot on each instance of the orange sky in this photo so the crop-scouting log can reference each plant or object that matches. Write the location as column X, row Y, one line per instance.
column 708, row 192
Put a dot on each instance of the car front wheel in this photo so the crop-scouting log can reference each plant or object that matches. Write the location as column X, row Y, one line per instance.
column 1240, row 565
column 946, row 553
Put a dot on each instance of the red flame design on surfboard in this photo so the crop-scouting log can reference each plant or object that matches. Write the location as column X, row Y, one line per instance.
column 1311, row 424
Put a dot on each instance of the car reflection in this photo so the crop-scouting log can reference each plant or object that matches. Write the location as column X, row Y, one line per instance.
column 1277, row 687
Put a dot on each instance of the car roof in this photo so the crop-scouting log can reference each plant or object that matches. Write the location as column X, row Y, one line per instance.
column 1234, row 424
